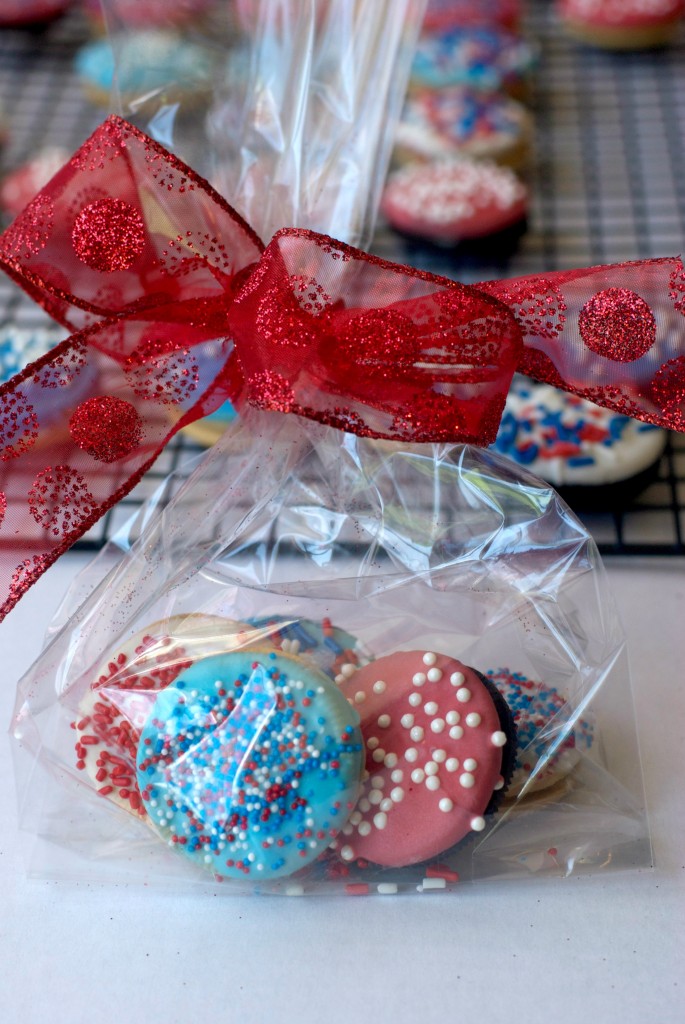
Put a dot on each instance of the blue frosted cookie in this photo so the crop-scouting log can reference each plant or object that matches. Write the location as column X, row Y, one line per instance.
column 250, row 763
column 146, row 61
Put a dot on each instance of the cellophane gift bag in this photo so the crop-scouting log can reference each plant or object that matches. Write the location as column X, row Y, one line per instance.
column 353, row 651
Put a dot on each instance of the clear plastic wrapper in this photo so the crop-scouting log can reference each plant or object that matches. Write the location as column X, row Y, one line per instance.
column 237, row 700
column 287, row 106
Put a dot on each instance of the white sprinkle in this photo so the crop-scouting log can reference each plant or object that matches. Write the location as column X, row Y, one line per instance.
column 364, row 828
column 445, row 804
column 466, row 780
column 473, row 719
column 432, row 768
column 347, row 830
column 416, row 733
column 499, row 784
column 347, row 853
column 470, row 764
column 451, row 764
column 434, row 675
column 359, row 697
column 433, row 782
column 433, row 883
column 372, row 742
column 348, row 670
column 439, row 755
column 452, row 717
column 411, row 754
column 384, row 721
column 430, row 708
column 456, row 732
column 364, row 805
column 438, row 724
column 457, row 678
column 419, row 679
column 379, row 687
column 378, row 755
column 498, row 738
column 407, row 721
column 377, row 782
column 397, row 794
column 478, row 824
column 355, row 818
column 429, row 658
column 375, row 797
column 418, row 775
column 390, row 760
column 414, row 699
column 387, row 888
column 397, row 775
column 463, row 694
column 386, row 805
column 380, row 820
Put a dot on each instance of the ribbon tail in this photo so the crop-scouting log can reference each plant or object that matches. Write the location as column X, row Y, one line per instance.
column 81, row 426
column 614, row 335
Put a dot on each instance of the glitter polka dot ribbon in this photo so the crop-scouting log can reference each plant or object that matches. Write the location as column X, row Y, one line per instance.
column 176, row 306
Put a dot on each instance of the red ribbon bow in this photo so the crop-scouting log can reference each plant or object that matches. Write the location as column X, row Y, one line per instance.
column 177, row 306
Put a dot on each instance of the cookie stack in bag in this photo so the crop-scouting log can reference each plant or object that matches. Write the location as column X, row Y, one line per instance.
column 465, row 134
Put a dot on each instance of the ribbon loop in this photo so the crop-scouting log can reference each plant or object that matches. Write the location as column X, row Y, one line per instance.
column 177, row 305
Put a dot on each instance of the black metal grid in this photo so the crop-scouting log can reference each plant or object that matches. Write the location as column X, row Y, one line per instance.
column 609, row 149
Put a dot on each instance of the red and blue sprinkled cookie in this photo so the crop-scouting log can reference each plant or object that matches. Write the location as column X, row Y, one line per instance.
column 542, row 716
column 479, row 57
column 458, row 121
column 250, row 763
column 331, row 649
column 440, row 746
column 589, row 453
column 115, row 708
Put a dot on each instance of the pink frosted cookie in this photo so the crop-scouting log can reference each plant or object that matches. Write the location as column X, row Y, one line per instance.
column 23, row 184
column 454, row 200
column 446, row 14
column 440, row 743
column 26, row 12
column 621, row 24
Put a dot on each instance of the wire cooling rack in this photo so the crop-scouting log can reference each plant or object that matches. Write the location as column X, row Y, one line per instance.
column 605, row 185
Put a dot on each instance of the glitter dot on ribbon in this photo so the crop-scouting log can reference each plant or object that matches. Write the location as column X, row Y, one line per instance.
column 25, row 574
column 668, row 389
column 107, row 428
column 18, row 426
column 108, row 235
column 380, row 338
column 617, row 324
column 60, row 501
column 270, row 390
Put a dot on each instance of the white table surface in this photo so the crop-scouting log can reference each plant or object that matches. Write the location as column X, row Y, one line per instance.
column 591, row 948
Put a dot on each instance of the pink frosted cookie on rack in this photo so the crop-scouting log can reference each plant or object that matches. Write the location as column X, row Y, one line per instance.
column 115, row 708
column 15, row 13
column 454, row 200
column 621, row 24
column 440, row 745
column 23, row 184
column 446, row 14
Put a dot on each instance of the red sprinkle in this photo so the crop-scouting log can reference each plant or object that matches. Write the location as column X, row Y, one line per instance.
column 357, row 889
column 442, row 871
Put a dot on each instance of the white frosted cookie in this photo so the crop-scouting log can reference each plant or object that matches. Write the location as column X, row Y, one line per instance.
column 573, row 443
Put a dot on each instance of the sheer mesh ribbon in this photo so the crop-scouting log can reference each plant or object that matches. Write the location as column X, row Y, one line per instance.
column 176, row 305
